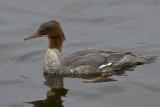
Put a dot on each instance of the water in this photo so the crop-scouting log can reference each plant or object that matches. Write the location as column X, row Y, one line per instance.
column 123, row 25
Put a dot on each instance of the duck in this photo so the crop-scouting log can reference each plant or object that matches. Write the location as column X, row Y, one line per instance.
column 82, row 62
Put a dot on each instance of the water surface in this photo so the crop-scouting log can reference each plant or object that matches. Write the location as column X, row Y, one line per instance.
column 123, row 25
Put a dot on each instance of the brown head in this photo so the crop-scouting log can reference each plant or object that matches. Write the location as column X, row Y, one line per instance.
column 53, row 31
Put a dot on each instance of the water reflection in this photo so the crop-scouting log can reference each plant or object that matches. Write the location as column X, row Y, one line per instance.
column 54, row 96
column 57, row 91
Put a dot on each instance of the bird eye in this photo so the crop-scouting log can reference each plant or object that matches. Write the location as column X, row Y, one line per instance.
column 43, row 33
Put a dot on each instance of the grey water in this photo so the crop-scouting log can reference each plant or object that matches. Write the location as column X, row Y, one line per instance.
column 121, row 25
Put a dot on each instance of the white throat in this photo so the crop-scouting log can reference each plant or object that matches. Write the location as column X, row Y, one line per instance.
column 52, row 60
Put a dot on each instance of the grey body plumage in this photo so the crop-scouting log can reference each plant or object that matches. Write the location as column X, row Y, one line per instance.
column 90, row 61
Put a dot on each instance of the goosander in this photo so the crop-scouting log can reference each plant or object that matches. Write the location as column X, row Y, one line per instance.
column 87, row 61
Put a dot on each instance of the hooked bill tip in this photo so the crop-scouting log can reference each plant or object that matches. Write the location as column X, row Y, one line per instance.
column 25, row 39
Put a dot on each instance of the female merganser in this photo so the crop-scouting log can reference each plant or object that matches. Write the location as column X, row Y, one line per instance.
column 88, row 61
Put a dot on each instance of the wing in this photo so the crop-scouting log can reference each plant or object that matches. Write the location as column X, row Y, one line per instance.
column 91, row 60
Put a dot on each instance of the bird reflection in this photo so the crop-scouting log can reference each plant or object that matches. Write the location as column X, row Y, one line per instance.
column 54, row 96
column 57, row 91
